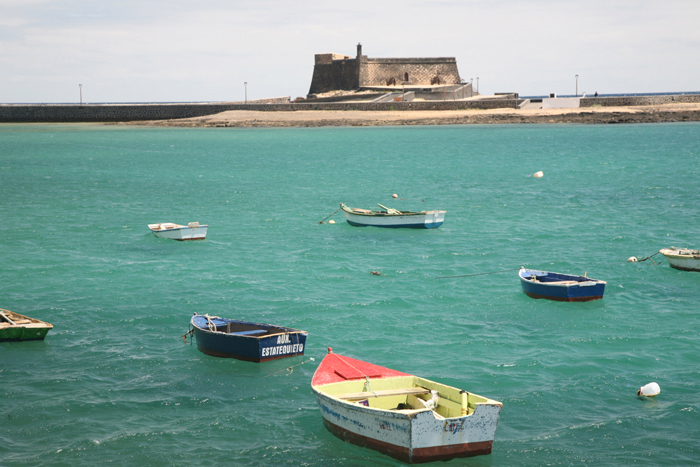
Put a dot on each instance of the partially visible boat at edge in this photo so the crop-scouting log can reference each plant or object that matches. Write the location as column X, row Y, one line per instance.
column 684, row 259
column 16, row 327
column 393, row 218
column 244, row 340
column 560, row 287
column 191, row 231
column 407, row 417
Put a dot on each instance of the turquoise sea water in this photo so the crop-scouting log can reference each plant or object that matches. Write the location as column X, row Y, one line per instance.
column 114, row 382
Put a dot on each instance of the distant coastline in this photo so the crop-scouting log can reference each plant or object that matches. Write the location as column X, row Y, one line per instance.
column 276, row 112
column 665, row 113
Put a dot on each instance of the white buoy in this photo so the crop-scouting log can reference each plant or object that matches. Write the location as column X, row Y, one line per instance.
column 632, row 259
column 331, row 221
column 394, row 195
column 538, row 174
column 649, row 390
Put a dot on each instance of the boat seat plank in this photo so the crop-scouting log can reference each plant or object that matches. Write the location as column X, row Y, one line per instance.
column 561, row 282
column 248, row 333
column 357, row 396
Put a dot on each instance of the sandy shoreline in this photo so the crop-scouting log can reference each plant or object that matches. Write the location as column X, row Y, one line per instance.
column 316, row 118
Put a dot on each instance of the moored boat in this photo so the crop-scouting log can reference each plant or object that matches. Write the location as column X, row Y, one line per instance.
column 191, row 231
column 244, row 340
column 560, row 287
column 16, row 327
column 684, row 259
column 393, row 218
column 407, row 417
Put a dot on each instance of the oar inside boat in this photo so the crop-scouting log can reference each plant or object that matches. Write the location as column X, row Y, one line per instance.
column 389, row 210
column 7, row 318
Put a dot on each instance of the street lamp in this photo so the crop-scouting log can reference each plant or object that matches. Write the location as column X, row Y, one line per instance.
column 245, row 83
column 477, row 85
column 81, row 93
column 576, row 85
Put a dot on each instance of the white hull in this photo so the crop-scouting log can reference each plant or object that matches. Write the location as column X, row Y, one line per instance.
column 425, row 219
column 194, row 231
column 414, row 437
column 683, row 259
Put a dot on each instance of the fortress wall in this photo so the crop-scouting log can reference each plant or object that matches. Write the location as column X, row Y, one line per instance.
column 338, row 74
column 376, row 71
column 104, row 112
column 63, row 113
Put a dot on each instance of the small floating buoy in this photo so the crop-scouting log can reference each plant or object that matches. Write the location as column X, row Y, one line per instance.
column 538, row 174
column 649, row 390
column 376, row 273
column 632, row 259
column 394, row 195
column 331, row 221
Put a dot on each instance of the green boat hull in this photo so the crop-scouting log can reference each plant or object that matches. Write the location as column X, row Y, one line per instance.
column 23, row 334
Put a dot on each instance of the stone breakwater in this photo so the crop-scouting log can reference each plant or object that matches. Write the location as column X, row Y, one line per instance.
column 630, row 101
column 66, row 113
column 593, row 110
column 87, row 113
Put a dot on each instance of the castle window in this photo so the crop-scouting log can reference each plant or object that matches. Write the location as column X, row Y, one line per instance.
column 405, row 76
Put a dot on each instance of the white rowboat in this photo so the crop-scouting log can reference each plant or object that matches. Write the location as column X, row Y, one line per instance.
column 393, row 218
column 407, row 417
column 191, row 231
column 684, row 259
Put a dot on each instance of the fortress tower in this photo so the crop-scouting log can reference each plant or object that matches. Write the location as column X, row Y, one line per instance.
column 340, row 72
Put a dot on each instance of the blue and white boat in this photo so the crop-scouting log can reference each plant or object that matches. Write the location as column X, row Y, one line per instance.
column 243, row 340
column 393, row 218
column 561, row 287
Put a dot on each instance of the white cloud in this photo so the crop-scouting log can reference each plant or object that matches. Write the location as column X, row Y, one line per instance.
column 129, row 51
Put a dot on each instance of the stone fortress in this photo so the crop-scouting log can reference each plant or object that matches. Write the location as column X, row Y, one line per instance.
column 340, row 82
column 336, row 72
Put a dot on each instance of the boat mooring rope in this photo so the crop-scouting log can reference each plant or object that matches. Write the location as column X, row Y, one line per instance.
column 479, row 274
column 644, row 259
column 321, row 222
column 291, row 368
column 188, row 333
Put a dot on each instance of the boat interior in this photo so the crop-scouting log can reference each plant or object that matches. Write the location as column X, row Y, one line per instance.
column 392, row 212
column 8, row 318
column 165, row 226
column 555, row 278
column 241, row 328
column 682, row 251
column 384, row 212
column 405, row 394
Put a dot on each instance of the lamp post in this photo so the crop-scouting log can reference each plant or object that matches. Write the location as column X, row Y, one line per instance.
column 576, row 85
column 477, row 85
column 471, row 87
column 81, row 93
column 245, row 83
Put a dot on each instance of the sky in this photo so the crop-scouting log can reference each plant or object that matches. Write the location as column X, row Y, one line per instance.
column 187, row 51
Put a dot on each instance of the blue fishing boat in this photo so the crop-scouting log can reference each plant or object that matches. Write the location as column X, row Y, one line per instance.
column 561, row 287
column 243, row 340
